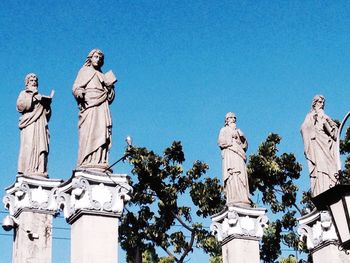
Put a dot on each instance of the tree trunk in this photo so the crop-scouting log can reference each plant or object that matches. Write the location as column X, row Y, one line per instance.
column 135, row 256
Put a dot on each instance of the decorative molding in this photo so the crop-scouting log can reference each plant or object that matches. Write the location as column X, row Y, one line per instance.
column 32, row 193
column 94, row 193
column 85, row 192
column 317, row 229
column 239, row 222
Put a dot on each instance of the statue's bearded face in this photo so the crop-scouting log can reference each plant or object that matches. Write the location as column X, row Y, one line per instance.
column 319, row 104
column 96, row 60
column 32, row 83
column 231, row 121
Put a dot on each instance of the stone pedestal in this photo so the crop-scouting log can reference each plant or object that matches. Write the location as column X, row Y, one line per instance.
column 31, row 202
column 239, row 230
column 318, row 231
column 92, row 202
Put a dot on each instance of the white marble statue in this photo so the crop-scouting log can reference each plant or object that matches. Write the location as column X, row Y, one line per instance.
column 233, row 145
column 94, row 91
column 33, row 125
column 319, row 134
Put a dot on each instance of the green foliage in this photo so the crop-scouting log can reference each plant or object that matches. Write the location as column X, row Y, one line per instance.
column 345, row 149
column 167, row 260
column 208, row 243
column 306, row 202
column 273, row 176
column 271, row 248
column 149, row 256
column 292, row 259
column 289, row 259
column 345, row 144
column 158, row 182
column 207, row 196
column 217, row 259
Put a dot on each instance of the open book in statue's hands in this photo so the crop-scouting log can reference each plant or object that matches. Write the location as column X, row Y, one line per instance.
column 46, row 100
column 110, row 78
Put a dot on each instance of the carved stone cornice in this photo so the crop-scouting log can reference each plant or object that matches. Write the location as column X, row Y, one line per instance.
column 95, row 193
column 317, row 229
column 239, row 222
column 32, row 193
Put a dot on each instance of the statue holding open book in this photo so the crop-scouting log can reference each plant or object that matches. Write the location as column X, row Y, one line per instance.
column 33, row 124
column 94, row 91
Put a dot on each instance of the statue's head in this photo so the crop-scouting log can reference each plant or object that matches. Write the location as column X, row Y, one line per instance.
column 95, row 58
column 318, row 102
column 230, row 117
column 31, row 81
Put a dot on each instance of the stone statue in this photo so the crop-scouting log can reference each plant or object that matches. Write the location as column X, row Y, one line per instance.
column 94, row 91
column 233, row 145
column 319, row 134
column 33, row 125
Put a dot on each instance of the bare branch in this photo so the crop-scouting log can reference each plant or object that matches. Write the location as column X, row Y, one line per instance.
column 297, row 208
column 189, row 247
column 166, row 250
column 182, row 222
column 169, row 253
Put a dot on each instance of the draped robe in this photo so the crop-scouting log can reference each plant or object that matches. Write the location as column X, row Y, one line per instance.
column 95, row 123
column 318, row 132
column 34, row 135
column 233, row 146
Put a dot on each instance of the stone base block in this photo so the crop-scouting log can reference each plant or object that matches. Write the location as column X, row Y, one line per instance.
column 92, row 203
column 31, row 202
column 241, row 250
column 330, row 253
column 318, row 231
column 239, row 230
column 32, row 241
column 94, row 239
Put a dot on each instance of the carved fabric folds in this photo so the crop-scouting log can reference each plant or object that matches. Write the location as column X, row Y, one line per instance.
column 320, row 151
column 234, row 168
column 95, row 123
column 34, row 133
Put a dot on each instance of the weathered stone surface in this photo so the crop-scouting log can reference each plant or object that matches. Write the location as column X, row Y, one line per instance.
column 330, row 253
column 233, row 145
column 239, row 230
column 32, row 241
column 318, row 231
column 33, row 124
column 319, row 134
column 94, row 238
column 241, row 250
column 32, row 193
column 93, row 193
column 239, row 222
column 317, row 228
column 31, row 201
column 92, row 203
column 94, row 91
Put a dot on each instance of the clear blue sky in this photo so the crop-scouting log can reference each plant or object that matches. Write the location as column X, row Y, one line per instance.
column 181, row 66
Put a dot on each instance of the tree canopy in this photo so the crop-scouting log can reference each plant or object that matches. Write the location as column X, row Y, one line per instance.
column 159, row 217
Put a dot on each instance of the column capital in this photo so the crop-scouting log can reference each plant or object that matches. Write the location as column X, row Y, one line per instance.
column 239, row 222
column 93, row 193
column 317, row 229
column 32, row 193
